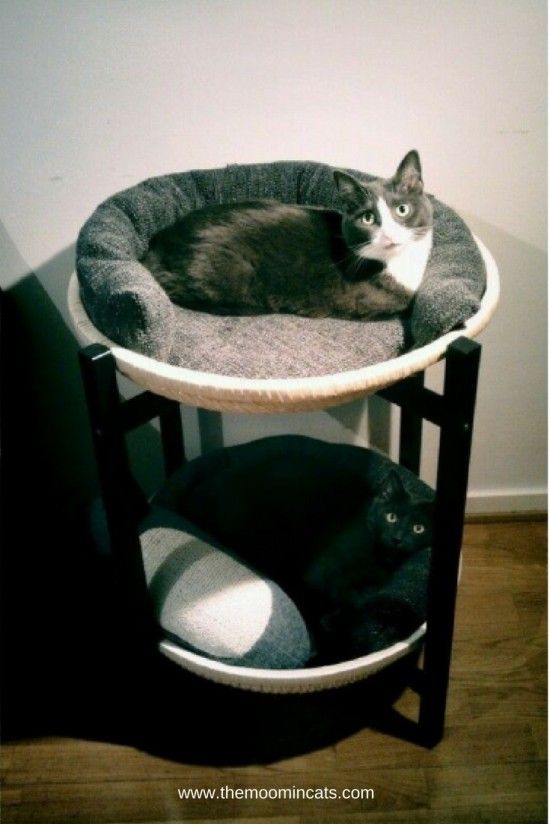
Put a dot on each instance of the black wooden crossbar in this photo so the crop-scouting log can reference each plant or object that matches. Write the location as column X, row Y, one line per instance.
column 139, row 410
column 143, row 408
column 411, row 395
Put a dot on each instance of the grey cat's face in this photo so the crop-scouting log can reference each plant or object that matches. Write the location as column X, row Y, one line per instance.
column 402, row 524
column 381, row 218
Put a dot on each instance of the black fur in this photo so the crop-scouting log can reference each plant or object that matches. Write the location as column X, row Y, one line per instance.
column 314, row 518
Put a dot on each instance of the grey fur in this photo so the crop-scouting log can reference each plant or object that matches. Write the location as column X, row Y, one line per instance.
column 264, row 256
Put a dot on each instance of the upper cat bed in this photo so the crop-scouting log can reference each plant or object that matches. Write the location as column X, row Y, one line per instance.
column 269, row 362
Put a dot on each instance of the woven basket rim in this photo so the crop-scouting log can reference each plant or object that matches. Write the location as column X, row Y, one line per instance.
column 301, row 680
column 265, row 395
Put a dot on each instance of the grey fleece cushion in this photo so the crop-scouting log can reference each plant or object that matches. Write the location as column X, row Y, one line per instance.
column 125, row 303
column 207, row 601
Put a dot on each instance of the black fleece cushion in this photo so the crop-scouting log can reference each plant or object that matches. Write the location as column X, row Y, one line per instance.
column 127, row 305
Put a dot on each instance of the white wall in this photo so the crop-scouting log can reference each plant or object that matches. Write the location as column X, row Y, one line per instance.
column 98, row 95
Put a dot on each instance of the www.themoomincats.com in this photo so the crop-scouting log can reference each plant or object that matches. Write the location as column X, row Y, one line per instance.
column 275, row 793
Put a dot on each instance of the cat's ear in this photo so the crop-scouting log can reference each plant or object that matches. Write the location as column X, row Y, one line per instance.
column 391, row 487
column 350, row 190
column 408, row 177
column 426, row 505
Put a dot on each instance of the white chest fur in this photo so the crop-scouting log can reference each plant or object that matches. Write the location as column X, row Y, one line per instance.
column 404, row 256
column 407, row 266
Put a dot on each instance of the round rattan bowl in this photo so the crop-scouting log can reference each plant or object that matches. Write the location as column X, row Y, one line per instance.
column 234, row 394
column 313, row 679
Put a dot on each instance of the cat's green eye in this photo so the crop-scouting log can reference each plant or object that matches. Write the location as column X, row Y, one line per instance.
column 403, row 210
column 418, row 529
column 391, row 517
column 368, row 218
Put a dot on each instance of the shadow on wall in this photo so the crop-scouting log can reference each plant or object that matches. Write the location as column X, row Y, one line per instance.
column 50, row 584
column 64, row 668
column 351, row 414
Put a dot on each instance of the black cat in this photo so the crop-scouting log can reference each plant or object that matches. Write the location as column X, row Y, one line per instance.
column 360, row 556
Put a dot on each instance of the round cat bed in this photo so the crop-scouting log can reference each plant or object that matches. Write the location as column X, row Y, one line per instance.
column 203, row 597
column 292, row 680
column 269, row 363
column 270, row 653
column 224, row 621
column 206, row 598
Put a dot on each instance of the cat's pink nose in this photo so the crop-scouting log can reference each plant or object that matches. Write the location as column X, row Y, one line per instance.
column 386, row 241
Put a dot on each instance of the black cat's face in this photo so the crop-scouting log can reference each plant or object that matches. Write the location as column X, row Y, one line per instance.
column 401, row 523
column 382, row 217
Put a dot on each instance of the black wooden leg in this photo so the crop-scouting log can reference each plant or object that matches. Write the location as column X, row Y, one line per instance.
column 210, row 430
column 410, row 431
column 461, row 373
column 123, row 500
column 171, row 430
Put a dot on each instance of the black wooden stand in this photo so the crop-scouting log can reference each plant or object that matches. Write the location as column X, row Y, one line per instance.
column 453, row 412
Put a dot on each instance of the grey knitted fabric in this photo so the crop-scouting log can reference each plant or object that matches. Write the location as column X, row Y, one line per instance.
column 209, row 602
column 125, row 302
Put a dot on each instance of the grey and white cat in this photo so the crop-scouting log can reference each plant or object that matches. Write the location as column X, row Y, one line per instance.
column 263, row 256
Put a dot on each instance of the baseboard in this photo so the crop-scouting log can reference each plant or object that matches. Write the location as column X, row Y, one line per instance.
column 530, row 517
column 507, row 501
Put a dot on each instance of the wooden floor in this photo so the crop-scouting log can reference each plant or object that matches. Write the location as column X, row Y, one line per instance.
column 491, row 766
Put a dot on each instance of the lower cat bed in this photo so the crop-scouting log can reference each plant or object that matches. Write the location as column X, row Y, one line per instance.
column 223, row 621
column 270, row 362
